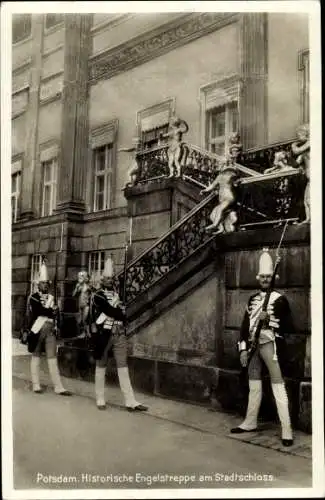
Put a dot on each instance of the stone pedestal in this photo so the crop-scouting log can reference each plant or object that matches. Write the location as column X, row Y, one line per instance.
column 155, row 207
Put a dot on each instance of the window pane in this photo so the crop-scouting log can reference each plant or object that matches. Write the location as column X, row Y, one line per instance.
column 47, row 171
column 100, row 201
column 102, row 261
column 53, row 203
column 100, row 159
column 14, row 183
column 53, row 19
column 47, row 198
column 218, row 123
column 21, row 27
column 234, row 117
column 100, row 184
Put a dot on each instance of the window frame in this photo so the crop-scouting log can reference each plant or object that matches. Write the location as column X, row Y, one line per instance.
column 166, row 106
column 106, row 173
column 52, row 183
column 17, row 168
column 225, row 92
column 229, row 109
column 53, row 26
column 16, row 195
column 103, row 136
column 94, row 274
column 26, row 36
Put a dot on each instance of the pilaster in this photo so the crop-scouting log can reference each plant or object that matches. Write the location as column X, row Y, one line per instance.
column 30, row 160
column 74, row 130
column 254, row 75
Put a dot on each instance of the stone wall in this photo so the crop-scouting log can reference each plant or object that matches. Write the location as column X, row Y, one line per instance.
column 185, row 347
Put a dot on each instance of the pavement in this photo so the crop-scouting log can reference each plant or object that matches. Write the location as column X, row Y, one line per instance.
column 63, row 443
column 208, row 421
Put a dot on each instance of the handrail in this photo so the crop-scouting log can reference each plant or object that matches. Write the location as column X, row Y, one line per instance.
column 173, row 228
column 248, row 180
column 276, row 144
column 275, row 175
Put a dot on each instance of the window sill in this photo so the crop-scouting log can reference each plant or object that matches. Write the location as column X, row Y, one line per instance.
column 48, row 100
column 110, row 213
column 22, row 41
column 54, row 28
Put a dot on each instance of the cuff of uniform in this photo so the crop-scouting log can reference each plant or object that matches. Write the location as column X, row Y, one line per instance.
column 242, row 346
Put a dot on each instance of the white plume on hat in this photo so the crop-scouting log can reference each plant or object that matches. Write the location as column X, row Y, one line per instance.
column 43, row 273
column 265, row 263
column 108, row 271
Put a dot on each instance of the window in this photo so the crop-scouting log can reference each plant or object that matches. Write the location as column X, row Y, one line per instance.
column 96, row 264
column 37, row 261
column 49, row 172
column 219, row 113
column 152, row 138
column 15, row 193
column 303, row 66
column 21, row 27
column 103, row 173
column 221, row 123
column 153, row 122
column 102, row 176
column 53, row 20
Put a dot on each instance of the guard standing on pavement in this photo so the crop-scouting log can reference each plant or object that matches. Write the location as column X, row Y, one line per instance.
column 108, row 320
column 42, row 313
column 277, row 323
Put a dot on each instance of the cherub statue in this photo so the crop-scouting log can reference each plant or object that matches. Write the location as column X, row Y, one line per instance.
column 301, row 149
column 133, row 170
column 177, row 151
column 280, row 163
column 235, row 148
column 223, row 217
column 82, row 292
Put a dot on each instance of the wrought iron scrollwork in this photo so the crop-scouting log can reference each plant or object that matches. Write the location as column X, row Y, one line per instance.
column 262, row 159
column 177, row 245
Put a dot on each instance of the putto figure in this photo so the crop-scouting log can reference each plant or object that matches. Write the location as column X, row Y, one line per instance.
column 301, row 149
column 42, row 337
column 177, row 150
column 108, row 314
column 235, row 148
column 280, row 163
column 223, row 216
column 82, row 293
column 276, row 324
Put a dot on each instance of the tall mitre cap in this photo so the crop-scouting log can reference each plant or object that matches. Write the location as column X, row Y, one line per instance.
column 266, row 263
column 109, row 268
column 43, row 273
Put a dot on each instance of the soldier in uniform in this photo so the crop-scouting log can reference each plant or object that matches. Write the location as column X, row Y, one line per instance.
column 42, row 336
column 108, row 314
column 277, row 322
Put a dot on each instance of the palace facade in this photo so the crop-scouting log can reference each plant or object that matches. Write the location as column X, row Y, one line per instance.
column 86, row 86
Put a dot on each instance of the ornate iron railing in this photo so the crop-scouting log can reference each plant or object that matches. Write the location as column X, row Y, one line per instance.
column 262, row 157
column 184, row 238
column 261, row 200
column 271, row 198
column 199, row 165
